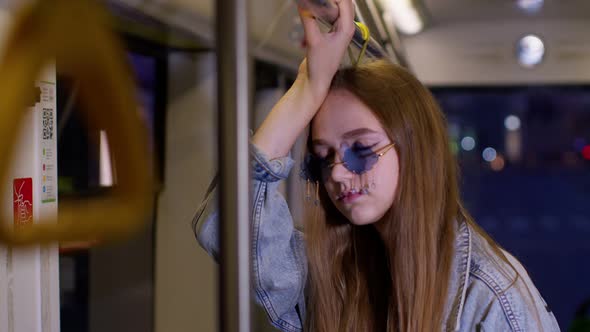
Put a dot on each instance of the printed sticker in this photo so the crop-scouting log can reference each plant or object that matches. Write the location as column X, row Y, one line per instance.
column 23, row 201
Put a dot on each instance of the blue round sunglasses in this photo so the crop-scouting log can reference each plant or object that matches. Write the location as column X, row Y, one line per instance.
column 357, row 159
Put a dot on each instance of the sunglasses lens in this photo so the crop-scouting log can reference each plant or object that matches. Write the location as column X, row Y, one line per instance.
column 359, row 161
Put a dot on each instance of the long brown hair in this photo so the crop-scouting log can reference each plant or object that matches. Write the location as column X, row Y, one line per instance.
column 395, row 280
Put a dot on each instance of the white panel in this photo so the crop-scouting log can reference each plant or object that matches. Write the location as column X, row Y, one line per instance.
column 47, row 202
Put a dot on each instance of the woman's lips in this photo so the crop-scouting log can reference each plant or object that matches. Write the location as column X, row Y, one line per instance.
column 351, row 197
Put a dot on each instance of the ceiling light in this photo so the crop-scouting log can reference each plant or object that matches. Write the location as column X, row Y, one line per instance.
column 403, row 14
column 530, row 51
column 530, row 6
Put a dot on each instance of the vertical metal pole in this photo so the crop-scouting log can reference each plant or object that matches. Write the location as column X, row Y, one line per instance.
column 234, row 103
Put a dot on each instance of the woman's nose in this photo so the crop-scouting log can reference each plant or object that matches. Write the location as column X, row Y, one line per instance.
column 338, row 172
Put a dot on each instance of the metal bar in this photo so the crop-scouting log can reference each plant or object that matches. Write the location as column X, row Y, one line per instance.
column 327, row 12
column 393, row 40
column 233, row 66
column 387, row 35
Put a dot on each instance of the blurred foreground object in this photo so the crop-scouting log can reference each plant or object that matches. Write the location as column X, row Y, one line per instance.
column 78, row 35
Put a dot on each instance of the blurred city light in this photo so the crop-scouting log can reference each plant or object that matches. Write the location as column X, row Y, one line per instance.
column 513, row 145
column 489, row 154
column 512, row 122
column 498, row 163
column 468, row 143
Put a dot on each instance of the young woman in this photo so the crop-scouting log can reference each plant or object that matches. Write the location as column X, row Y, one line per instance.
column 388, row 245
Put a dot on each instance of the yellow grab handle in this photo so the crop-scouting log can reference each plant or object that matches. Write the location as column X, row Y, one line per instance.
column 366, row 36
column 76, row 32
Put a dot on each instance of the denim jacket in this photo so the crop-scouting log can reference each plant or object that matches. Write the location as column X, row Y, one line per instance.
column 479, row 298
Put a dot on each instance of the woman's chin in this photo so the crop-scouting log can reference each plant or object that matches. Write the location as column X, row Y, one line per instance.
column 361, row 220
column 360, row 217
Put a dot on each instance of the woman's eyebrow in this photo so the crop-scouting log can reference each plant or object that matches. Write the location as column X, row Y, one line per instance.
column 358, row 132
column 347, row 135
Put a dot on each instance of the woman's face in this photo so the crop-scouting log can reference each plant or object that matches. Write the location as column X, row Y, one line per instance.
column 344, row 122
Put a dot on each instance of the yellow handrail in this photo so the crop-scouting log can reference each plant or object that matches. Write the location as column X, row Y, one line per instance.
column 76, row 32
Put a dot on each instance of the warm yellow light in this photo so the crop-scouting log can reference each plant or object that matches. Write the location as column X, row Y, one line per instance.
column 498, row 163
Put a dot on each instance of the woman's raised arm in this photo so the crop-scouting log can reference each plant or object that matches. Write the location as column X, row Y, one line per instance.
column 294, row 111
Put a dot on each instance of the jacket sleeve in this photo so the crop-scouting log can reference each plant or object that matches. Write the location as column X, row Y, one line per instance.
column 279, row 264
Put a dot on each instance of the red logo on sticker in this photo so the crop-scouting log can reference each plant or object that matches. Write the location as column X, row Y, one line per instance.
column 23, row 201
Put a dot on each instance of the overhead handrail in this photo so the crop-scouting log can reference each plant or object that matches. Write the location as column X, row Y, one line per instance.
column 370, row 13
column 327, row 12
column 77, row 33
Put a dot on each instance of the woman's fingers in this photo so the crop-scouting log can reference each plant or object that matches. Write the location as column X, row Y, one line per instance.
column 325, row 51
column 345, row 22
column 310, row 27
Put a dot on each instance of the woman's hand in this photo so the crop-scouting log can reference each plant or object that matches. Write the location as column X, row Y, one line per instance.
column 324, row 50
